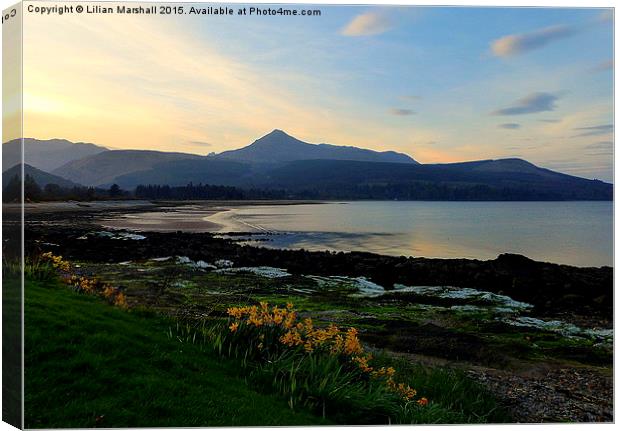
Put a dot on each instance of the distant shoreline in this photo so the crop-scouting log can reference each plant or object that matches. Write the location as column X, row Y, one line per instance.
column 141, row 204
column 127, row 204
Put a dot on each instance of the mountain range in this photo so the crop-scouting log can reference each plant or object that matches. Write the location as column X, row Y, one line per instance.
column 278, row 161
column 46, row 155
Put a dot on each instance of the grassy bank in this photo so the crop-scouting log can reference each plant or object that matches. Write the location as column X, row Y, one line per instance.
column 89, row 364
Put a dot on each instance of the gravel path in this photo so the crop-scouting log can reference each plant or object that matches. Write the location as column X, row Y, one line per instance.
column 556, row 395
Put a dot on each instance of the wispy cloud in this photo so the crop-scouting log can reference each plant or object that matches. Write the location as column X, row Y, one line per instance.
column 602, row 148
column 509, row 126
column 550, row 120
column 368, row 24
column 200, row 144
column 401, row 111
column 601, row 129
column 515, row 44
column 532, row 103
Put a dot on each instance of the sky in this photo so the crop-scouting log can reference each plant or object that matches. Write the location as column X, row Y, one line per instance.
column 440, row 84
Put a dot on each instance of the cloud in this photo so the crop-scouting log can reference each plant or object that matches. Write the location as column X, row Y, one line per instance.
column 535, row 102
column 515, row 44
column 552, row 120
column 200, row 144
column 509, row 126
column 602, row 148
column 603, row 66
column 368, row 24
column 602, row 129
column 401, row 111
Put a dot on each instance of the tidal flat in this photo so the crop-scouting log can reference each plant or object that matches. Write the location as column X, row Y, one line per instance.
column 538, row 335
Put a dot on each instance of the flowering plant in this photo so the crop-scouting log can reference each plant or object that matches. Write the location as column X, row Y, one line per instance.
column 303, row 334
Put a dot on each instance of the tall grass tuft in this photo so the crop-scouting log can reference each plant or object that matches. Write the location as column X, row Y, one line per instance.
column 34, row 268
column 325, row 370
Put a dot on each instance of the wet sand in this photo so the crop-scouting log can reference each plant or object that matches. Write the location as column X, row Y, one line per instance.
column 74, row 206
column 186, row 216
column 187, row 219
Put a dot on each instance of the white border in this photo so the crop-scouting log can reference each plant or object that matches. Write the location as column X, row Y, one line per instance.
column 485, row 3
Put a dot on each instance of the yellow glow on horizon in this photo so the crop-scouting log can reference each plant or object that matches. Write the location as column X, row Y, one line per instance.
column 146, row 84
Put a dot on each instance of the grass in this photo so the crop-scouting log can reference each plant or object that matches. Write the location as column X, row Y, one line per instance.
column 89, row 364
column 456, row 398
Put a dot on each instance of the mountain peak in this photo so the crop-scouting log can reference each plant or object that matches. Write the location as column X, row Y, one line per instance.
column 279, row 146
column 277, row 135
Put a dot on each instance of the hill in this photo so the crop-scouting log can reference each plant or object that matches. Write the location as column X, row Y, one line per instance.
column 278, row 146
column 104, row 168
column 40, row 177
column 205, row 170
column 46, row 155
column 504, row 179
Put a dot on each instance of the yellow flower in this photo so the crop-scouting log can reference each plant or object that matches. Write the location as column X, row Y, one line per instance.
column 120, row 300
column 291, row 338
column 308, row 325
column 362, row 363
column 337, row 345
column 352, row 343
column 108, row 291
column 57, row 261
column 290, row 320
column 235, row 312
column 234, row 327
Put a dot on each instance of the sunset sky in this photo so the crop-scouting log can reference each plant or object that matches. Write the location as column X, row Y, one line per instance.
column 440, row 84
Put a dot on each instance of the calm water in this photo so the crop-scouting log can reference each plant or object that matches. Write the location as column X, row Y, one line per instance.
column 575, row 233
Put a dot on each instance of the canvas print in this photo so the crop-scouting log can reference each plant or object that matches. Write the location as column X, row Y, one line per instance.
column 263, row 214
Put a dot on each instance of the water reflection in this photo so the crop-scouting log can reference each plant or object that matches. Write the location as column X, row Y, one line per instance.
column 575, row 233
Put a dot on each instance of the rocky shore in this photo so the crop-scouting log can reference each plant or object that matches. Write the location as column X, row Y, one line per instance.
column 554, row 290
